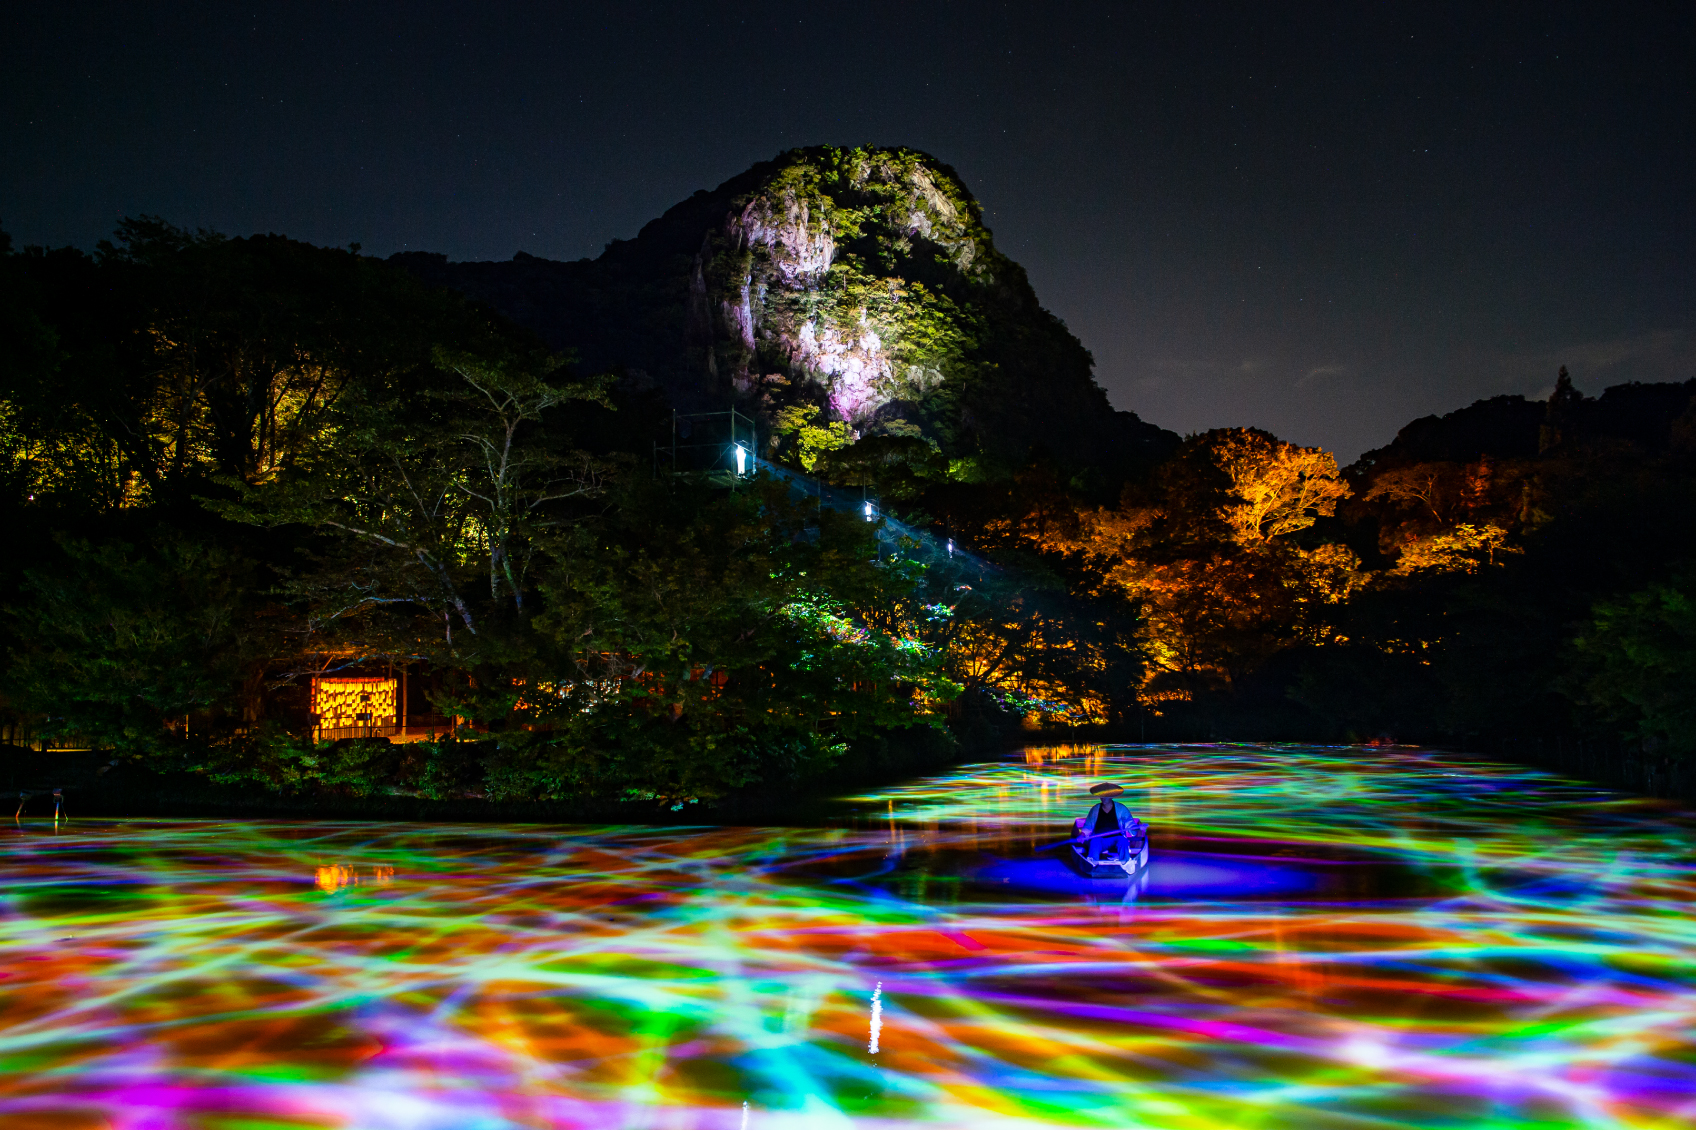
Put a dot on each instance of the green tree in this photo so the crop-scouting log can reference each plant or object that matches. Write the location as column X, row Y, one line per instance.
column 122, row 643
column 809, row 440
column 896, row 467
column 1636, row 663
column 427, row 488
column 695, row 642
column 177, row 357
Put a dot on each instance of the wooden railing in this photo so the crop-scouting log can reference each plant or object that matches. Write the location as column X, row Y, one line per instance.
column 411, row 728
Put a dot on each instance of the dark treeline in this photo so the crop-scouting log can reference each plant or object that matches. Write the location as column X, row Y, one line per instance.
column 243, row 477
column 1515, row 577
column 238, row 470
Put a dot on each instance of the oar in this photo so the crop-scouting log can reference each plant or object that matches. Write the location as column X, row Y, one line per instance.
column 1091, row 836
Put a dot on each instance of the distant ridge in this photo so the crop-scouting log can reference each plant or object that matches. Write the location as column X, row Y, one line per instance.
column 1650, row 416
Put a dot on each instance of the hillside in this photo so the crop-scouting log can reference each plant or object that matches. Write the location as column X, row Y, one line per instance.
column 1647, row 416
column 258, row 476
column 859, row 281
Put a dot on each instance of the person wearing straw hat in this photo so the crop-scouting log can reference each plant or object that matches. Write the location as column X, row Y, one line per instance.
column 1105, row 825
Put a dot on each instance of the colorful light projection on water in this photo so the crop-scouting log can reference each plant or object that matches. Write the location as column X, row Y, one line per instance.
column 1444, row 943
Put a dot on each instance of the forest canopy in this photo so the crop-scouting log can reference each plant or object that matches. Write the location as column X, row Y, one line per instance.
column 244, row 473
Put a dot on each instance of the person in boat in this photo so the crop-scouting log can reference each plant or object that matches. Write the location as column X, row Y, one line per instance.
column 1106, row 818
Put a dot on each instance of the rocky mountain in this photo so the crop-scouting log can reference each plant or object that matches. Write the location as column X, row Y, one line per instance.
column 859, row 281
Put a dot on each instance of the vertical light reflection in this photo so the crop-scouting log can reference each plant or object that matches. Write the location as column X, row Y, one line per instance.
column 877, row 1019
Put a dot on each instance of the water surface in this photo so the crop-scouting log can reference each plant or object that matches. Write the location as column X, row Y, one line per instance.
column 1326, row 937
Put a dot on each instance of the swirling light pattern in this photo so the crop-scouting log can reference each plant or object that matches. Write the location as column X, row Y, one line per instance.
column 1328, row 937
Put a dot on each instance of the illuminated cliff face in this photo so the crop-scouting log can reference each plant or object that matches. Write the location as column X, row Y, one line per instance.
column 836, row 272
column 859, row 282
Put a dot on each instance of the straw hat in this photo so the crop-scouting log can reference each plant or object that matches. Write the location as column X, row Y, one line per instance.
column 1107, row 789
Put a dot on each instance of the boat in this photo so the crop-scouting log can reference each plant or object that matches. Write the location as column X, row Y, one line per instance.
column 1126, row 858
column 1128, row 864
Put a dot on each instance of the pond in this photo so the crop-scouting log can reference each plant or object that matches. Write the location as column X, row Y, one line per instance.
column 1325, row 937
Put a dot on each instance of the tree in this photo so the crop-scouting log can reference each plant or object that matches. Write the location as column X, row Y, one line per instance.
column 1279, row 488
column 896, row 467
column 244, row 345
column 696, row 641
column 1210, row 559
column 122, row 642
column 55, row 449
column 178, row 357
column 516, row 475
column 1464, row 549
column 1015, row 635
column 810, row 440
column 427, row 487
column 1636, row 663
column 1433, row 490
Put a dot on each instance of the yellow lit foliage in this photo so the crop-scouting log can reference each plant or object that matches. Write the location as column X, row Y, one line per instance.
column 1463, row 549
column 283, row 401
column 1434, row 499
column 1431, row 489
column 1023, row 649
column 1206, row 621
column 1220, row 585
column 1281, row 488
column 1333, row 571
column 811, row 440
column 76, row 463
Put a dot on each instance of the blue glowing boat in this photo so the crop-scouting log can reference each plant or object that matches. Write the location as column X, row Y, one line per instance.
column 1125, row 858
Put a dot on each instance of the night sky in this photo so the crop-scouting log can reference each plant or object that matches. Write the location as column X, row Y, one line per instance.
column 1324, row 222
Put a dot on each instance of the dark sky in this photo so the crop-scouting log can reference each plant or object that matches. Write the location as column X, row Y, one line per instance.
column 1322, row 221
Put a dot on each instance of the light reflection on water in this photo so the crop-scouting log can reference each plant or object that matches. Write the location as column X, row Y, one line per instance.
column 1324, row 937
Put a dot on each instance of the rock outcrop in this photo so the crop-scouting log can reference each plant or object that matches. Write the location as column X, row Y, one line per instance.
column 862, row 281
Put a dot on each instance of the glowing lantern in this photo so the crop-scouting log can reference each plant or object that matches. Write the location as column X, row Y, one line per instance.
column 354, row 701
column 741, row 459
